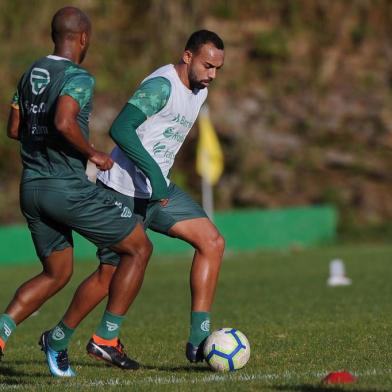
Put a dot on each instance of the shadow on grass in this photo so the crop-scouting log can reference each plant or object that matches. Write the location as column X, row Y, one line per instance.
column 320, row 388
column 103, row 364
column 18, row 362
column 189, row 369
column 9, row 371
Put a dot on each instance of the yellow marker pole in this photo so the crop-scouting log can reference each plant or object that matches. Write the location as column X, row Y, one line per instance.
column 209, row 159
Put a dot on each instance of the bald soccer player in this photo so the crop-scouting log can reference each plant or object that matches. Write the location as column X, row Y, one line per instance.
column 49, row 116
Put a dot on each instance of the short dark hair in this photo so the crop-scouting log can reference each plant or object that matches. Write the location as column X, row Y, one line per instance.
column 67, row 22
column 202, row 37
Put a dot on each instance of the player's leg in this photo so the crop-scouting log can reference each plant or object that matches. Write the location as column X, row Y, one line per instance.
column 135, row 251
column 87, row 296
column 185, row 219
column 57, row 270
column 105, row 218
column 94, row 288
column 53, row 244
column 209, row 248
column 209, row 245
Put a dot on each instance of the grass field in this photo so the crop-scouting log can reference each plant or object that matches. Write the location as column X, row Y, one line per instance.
column 299, row 329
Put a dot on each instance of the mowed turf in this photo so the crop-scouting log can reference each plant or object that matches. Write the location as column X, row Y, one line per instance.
column 299, row 329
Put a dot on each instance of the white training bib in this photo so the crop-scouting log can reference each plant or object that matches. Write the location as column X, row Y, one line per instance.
column 162, row 135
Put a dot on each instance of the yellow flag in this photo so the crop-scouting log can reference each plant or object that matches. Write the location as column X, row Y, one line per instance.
column 209, row 158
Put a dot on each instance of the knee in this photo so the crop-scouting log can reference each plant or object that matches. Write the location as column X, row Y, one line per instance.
column 142, row 252
column 220, row 244
column 59, row 278
column 63, row 279
column 104, row 275
column 145, row 250
column 213, row 244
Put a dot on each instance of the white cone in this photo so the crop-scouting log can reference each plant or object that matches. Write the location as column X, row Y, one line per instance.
column 337, row 274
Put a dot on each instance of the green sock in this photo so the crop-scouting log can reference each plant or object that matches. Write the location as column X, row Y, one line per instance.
column 7, row 326
column 200, row 327
column 60, row 336
column 110, row 326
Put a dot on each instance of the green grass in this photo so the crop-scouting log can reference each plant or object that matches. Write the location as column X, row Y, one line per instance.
column 299, row 328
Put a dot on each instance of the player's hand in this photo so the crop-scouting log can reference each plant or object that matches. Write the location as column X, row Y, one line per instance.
column 102, row 160
column 164, row 202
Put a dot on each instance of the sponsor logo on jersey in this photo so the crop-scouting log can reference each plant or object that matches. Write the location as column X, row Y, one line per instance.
column 7, row 330
column 170, row 133
column 205, row 326
column 158, row 147
column 164, row 152
column 58, row 334
column 39, row 79
column 126, row 213
column 169, row 155
column 182, row 120
column 31, row 108
column 38, row 130
column 111, row 326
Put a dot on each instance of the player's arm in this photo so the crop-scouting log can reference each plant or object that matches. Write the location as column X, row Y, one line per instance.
column 72, row 98
column 14, row 119
column 149, row 99
column 13, row 124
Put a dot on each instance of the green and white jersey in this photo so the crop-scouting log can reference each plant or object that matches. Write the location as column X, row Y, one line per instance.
column 171, row 110
column 45, row 153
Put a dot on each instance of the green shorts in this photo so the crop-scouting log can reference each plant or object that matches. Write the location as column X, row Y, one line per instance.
column 180, row 207
column 53, row 209
column 160, row 219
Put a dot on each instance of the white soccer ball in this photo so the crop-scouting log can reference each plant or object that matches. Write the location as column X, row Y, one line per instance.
column 226, row 349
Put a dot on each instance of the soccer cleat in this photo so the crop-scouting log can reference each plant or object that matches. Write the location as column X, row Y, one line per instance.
column 113, row 355
column 1, row 353
column 57, row 360
column 194, row 353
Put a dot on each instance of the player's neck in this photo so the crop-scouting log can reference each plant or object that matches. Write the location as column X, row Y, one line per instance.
column 67, row 52
column 182, row 73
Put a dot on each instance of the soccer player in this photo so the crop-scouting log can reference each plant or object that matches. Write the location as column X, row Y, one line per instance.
column 49, row 116
column 149, row 132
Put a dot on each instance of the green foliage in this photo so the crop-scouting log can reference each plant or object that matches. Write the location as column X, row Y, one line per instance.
column 315, row 73
column 358, row 34
column 222, row 10
column 270, row 45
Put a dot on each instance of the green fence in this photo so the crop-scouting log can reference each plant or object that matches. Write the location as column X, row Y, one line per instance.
column 244, row 230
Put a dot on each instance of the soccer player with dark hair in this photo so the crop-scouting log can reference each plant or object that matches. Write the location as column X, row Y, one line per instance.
column 49, row 116
column 149, row 132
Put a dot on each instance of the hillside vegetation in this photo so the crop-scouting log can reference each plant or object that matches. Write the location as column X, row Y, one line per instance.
column 302, row 105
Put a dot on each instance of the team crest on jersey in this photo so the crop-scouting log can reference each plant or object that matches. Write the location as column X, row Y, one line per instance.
column 39, row 79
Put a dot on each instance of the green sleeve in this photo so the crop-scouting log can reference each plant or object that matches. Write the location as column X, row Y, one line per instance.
column 15, row 100
column 151, row 96
column 123, row 132
column 80, row 87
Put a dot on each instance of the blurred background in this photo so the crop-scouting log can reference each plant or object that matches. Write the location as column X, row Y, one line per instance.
column 302, row 106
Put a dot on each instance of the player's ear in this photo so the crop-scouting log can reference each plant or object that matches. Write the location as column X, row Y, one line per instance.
column 83, row 38
column 187, row 56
